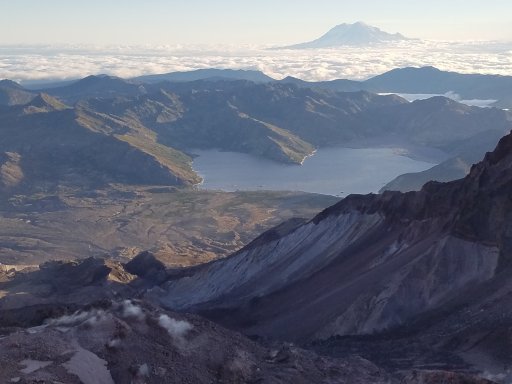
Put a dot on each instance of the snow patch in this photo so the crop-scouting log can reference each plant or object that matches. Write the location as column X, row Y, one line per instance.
column 89, row 368
column 33, row 365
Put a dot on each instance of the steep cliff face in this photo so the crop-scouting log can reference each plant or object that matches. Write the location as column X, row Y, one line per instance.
column 366, row 264
column 267, row 266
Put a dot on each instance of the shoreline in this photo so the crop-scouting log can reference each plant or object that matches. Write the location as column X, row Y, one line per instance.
column 308, row 156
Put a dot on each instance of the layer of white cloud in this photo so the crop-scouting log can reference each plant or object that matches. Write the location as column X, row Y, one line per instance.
column 47, row 62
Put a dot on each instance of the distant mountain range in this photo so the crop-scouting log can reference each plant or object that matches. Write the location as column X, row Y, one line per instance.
column 415, row 80
column 211, row 74
column 424, row 80
column 160, row 121
column 208, row 73
column 434, row 81
column 357, row 34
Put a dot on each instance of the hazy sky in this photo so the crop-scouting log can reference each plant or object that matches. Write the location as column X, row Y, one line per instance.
column 156, row 22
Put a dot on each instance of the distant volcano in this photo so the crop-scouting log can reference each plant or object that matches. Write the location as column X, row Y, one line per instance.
column 357, row 34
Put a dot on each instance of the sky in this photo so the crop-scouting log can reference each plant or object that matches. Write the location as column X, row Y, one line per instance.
column 237, row 22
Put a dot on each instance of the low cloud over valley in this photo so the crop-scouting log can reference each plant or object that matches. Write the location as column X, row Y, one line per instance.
column 53, row 62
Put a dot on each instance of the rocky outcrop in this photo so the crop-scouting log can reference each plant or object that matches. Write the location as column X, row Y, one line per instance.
column 11, row 93
column 43, row 103
column 146, row 266
column 58, row 284
column 86, row 330
column 11, row 172
column 132, row 342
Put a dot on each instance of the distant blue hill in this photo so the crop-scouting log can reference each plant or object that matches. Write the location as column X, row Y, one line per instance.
column 194, row 75
column 209, row 73
column 428, row 80
column 95, row 86
column 433, row 80
column 422, row 80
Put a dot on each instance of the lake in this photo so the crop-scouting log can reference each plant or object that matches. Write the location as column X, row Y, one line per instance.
column 482, row 103
column 330, row 171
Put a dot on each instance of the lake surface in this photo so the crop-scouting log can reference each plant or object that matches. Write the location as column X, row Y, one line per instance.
column 331, row 171
column 482, row 103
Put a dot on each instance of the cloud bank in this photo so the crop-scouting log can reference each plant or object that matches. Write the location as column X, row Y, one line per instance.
column 47, row 62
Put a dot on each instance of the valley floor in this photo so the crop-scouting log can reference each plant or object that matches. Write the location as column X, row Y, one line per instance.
column 182, row 227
